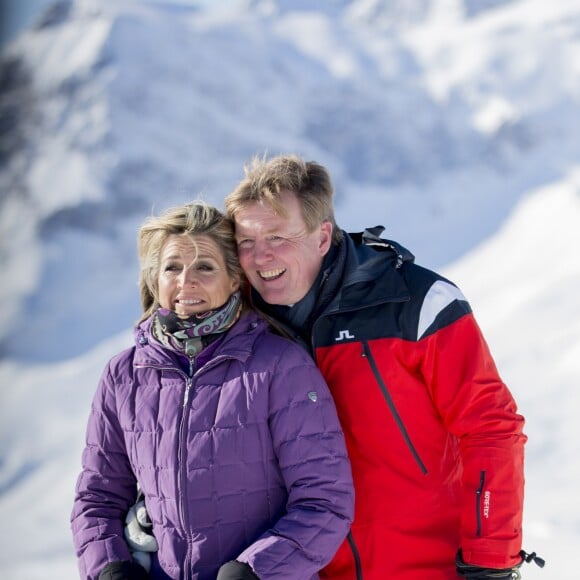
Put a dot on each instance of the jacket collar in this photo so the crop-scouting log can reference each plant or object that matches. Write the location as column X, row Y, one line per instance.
column 372, row 272
column 237, row 342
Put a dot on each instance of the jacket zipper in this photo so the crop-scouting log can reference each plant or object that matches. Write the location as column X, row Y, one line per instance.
column 355, row 555
column 180, row 452
column 182, row 468
column 369, row 356
column 478, row 499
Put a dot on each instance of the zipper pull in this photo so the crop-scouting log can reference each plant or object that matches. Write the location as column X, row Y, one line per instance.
column 186, row 394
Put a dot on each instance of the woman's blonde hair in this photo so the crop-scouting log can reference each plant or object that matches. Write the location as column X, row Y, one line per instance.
column 192, row 219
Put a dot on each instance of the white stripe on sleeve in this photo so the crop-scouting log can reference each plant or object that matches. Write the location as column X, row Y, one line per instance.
column 439, row 296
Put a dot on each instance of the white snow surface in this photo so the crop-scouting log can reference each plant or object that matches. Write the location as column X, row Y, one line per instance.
column 453, row 123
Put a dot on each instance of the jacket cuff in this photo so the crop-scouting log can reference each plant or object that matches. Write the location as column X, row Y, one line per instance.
column 123, row 571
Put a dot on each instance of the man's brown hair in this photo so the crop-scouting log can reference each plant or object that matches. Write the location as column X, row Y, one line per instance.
column 265, row 180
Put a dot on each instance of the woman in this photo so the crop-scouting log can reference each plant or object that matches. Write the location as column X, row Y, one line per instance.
column 228, row 429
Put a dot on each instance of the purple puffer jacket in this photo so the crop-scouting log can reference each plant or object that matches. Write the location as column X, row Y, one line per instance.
column 241, row 459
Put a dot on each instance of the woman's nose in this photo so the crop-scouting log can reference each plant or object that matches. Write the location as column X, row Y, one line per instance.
column 188, row 277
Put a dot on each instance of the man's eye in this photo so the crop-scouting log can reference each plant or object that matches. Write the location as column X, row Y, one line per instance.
column 245, row 243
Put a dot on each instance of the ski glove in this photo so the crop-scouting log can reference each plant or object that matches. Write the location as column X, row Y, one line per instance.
column 123, row 571
column 235, row 570
column 472, row 572
column 138, row 534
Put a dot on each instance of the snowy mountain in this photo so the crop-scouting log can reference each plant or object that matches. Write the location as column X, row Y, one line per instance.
column 453, row 123
column 427, row 112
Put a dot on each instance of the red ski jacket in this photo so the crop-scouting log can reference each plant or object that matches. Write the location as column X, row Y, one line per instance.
column 433, row 434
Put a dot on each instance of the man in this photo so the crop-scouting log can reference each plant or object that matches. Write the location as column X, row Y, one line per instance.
column 434, row 437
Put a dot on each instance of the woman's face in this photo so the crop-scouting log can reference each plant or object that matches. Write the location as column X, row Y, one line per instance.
column 192, row 276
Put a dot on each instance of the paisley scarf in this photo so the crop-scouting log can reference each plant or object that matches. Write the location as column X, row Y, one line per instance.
column 190, row 335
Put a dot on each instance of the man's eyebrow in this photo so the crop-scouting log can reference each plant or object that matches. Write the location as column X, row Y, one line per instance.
column 251, row 233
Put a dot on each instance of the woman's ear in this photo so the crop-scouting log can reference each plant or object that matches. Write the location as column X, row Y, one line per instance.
column 235, row 283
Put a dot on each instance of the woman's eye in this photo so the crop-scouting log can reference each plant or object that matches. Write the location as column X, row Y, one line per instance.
column 244, row 243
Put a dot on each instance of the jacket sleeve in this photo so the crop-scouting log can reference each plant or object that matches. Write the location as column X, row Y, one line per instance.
column 311, row 452
column 480, row 411
column 105, row 488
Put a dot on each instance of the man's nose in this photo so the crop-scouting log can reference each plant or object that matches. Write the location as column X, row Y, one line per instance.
column 262, row 252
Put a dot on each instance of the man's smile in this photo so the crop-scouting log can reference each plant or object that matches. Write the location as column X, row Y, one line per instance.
column 271, row 274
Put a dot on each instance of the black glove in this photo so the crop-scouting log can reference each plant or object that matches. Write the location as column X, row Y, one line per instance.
column 123, row 571
column 477, row 573
column 235, row 570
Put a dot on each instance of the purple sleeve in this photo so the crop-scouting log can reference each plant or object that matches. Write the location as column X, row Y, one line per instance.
column 311, row 452
column 105, row 488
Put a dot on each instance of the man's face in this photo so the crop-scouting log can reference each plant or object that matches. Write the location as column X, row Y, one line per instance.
column 280, row 257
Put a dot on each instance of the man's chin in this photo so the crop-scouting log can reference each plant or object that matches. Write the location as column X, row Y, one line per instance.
column 272, row 297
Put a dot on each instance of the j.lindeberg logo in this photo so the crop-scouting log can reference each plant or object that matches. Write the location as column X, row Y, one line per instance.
column 343, row 335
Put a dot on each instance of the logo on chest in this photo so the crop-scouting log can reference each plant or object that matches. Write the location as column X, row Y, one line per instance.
column 343, row 335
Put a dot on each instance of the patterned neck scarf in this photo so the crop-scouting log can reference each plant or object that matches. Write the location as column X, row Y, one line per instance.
column 190, row 335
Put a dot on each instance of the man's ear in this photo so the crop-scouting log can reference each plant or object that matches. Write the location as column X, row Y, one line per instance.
column 325, row 237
